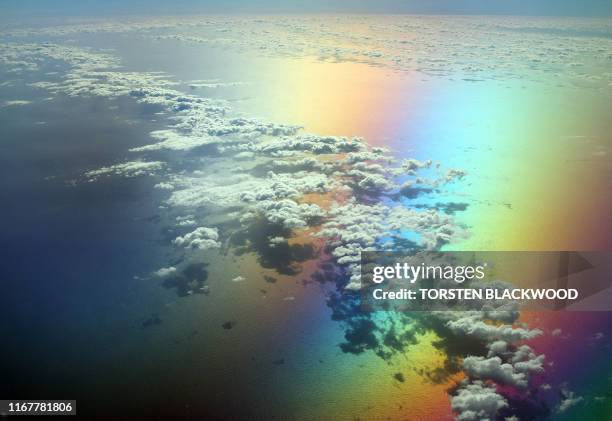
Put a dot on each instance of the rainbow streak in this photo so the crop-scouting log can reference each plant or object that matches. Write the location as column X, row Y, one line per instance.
column 537, row 181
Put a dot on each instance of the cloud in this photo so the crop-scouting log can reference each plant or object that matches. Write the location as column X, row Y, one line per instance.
column 127, row 169
column 185, row 221
column 355, row 227
column 411, row 166
column 282, row 186
column 497, row 348
column 212, row 84
column 476, row 401
column 201, row 238
column 493, row 369
column 318, row 145
column 288, row 213
column 165, row 272
column 15, row 103
column 568, row 400
column 171, row 140
column 402, row 43
column 471, row 325
column 275, row 241
column 454, row 174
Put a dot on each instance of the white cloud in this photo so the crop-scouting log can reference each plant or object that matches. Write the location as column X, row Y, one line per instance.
column 15, row 103
column 497, row 348
column 470, row 325
column 165, row 272
column 403, row 43
column 288, row 213
column 493, row 369
column 127, row 169
column 476, row 401
column 569, row 400
column 201, row 238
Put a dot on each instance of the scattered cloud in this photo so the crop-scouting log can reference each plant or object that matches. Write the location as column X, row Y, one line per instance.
column 476, row 401
column 201, row 238
column 15, row 103
column 127, row 169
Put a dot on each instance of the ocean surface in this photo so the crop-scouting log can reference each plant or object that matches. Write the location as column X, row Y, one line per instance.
column 89, row 320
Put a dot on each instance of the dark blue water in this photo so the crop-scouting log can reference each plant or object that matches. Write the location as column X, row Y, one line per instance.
column 69, row 299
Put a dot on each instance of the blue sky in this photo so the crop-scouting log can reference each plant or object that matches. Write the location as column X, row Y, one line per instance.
column 23, row 8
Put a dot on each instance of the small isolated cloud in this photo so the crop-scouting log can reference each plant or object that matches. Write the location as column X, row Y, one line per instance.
column 15, row 103
column 454, row 174
column 165, row 272
column 568, row 400
column 201, row 238
column 127, row 169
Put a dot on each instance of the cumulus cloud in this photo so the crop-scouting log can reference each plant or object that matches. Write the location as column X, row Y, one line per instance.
column 201, row 238
column 283, row 186
column 165, row 272
column 493, row 369
column 471, row 325
column 476, row 401
column 288, row 213
column 355, row 227
column 497, row 348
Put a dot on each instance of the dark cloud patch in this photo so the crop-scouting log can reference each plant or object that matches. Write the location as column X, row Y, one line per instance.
column 360, row 336
column 412, row 192
column 449, row 208
column 525, row 406
column 189, row 281
column 282, row 257
column 363, row 334
column 228, row 325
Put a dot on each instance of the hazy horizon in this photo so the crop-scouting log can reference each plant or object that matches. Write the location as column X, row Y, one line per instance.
column 72, row 8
